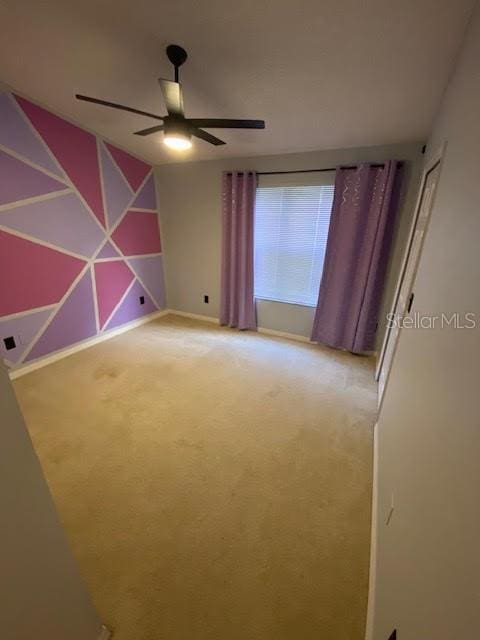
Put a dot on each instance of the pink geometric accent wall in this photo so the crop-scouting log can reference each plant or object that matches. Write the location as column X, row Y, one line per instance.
column 80, row 243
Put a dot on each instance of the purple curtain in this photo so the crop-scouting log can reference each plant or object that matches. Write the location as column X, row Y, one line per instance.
column 237, row 307
column 358, row 246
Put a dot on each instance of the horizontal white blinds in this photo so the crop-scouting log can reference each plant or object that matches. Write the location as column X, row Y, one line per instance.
column 297, row 179
column 291, row 228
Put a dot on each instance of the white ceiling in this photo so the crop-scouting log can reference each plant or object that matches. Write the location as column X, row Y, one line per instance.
column 322, row 73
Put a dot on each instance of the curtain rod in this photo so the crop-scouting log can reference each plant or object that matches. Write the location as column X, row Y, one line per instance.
column 276, row 173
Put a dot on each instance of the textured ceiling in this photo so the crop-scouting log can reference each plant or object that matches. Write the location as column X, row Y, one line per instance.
column 322, row 73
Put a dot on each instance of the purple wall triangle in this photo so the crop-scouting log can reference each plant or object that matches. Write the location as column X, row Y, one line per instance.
column 117, row 192
column 150, row 272
column 63, row 221
column 23, row 330
column 17, row 134
column 146, row 198
column 20, row 181
column 108, row 251
column 74, row 321
column 131, row 309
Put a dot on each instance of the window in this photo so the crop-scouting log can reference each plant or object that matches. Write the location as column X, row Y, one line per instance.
column 291, row 228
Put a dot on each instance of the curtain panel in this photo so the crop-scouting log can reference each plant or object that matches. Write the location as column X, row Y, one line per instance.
column 237, row 305
column 359, row 241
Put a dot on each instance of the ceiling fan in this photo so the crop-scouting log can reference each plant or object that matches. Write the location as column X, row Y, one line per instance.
column 178, row 130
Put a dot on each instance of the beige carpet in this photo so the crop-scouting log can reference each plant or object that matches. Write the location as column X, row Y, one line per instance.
column 215, row 485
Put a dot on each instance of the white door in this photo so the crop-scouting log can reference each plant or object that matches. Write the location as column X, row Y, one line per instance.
column 405, row 295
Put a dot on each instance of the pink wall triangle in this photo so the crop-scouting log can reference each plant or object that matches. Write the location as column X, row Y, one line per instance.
column 75, row 150
column 138, row 233
column 32, row 275
column 132, row 168
column 112, row 280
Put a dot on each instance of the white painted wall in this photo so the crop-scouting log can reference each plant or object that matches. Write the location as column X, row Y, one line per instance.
column 189, row 202
column 428, row 558
column 42, row 596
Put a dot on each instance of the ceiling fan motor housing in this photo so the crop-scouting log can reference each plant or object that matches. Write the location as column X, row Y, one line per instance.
column 177, row 126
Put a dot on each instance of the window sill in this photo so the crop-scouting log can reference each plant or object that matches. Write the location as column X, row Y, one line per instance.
column 293, row 304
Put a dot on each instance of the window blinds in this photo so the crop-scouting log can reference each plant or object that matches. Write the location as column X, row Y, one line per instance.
column 291, row 229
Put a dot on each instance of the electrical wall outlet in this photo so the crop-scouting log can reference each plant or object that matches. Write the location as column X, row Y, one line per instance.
column 9, row 343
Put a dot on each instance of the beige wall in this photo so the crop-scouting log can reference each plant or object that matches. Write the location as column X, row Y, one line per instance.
column 41, row 594
column 189, row 196
column 429, row 428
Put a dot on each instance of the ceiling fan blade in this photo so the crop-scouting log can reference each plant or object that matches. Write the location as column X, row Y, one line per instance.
column 219, row 123
column 115, row 105
column 147, row 132
column 203, row 135
column 173, row 96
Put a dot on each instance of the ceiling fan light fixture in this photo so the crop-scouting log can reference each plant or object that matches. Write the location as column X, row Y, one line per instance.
column 179, row 142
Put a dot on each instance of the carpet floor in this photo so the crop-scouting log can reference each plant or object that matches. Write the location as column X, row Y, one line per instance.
column 214, row 484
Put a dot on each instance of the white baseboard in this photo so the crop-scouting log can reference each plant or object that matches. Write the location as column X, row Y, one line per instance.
column 68, row 351
column 373, row 541
column 105, row 633
column 193, row 316
column 265, row 330
column 283, row 334
column 85, row 344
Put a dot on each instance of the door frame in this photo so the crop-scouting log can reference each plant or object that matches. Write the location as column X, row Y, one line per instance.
column 433, row 159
